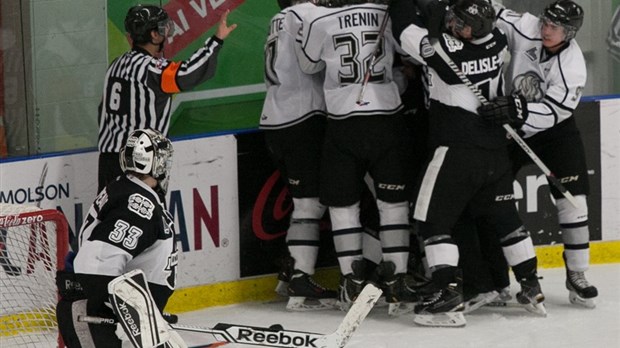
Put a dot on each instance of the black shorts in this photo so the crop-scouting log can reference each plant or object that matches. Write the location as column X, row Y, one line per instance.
column 478, row 182
column 297, row 153
column 377, row 145
column 561, row 150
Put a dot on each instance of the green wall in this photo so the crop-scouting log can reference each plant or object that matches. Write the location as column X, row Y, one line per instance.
column 240, row 66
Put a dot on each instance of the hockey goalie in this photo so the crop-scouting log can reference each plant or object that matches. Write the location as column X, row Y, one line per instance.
column 124, row 268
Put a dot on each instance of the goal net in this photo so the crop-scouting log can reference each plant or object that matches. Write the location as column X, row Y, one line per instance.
column 33, row 243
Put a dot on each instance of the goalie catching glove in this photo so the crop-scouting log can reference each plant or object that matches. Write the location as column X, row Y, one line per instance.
column 510, row 110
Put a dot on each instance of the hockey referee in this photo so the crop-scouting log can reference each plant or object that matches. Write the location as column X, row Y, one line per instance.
column 139, row 84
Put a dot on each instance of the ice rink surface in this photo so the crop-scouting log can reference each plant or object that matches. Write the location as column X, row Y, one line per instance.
column 565, row 326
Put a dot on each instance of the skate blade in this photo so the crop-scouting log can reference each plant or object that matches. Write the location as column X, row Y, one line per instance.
column 282, row 288
column 303, row 304
column 400, row 308
column 449, row 319
column 538, row 309
column 478, row 302
column 575, row 299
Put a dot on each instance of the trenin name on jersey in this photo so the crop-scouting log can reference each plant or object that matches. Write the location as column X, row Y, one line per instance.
column 357, row 19
column 481, row 66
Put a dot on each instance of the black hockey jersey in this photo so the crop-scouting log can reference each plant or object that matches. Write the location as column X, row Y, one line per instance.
column 128, row 228
column 454, row 120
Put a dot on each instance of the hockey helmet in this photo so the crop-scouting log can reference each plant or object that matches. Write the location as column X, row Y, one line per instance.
column 340, row 3
column 565, row 13
column 148, row 152
column 142, row 19
column 477, row 14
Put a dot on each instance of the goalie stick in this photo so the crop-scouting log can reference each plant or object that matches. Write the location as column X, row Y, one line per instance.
column 274, row 337
column 515, row 136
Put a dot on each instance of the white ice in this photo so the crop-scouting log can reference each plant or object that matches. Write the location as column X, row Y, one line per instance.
column 565, row 326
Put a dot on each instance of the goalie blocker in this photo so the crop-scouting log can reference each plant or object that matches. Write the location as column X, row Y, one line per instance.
column 136, row 317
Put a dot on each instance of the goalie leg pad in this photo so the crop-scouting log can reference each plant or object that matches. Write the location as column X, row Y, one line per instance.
column 136, row 310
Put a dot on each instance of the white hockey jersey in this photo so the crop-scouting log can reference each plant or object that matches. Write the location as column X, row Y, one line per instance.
column 342, row 40
column 292, row 96
column 552, row 84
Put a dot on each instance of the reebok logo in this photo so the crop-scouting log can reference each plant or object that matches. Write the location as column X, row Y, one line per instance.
column 286, row 339
column 128, row 319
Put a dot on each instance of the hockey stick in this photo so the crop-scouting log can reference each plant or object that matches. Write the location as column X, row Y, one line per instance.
column 273, row 336
column 360, row 98
column 515, row 136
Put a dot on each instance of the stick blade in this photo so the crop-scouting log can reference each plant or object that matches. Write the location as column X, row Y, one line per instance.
column 357, row 313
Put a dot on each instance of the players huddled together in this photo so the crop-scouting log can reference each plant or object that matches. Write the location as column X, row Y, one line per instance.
column 352, row 87
column 343, row 63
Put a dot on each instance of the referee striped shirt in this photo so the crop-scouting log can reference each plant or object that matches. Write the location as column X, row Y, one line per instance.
column 138, row 90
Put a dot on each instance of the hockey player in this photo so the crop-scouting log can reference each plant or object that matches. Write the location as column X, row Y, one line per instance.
column 546, row 76
column 470, row 166
column 364, row 135
column 293, row 119
column 127, row 228
column 139, row 84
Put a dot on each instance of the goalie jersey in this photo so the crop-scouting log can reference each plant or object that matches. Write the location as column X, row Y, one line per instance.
column 552, row 84
column 454, row 120
column 343, row 40
column 128, row 228
column 292, row 96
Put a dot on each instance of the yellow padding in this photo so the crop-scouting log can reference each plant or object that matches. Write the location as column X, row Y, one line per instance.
column 14, row 324
column 262, row 288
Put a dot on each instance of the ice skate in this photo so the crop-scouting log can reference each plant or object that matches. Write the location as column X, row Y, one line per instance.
column 531, row 296
column 443, row 309
column 503, row 299
column 581, row 292
column 351, row 285
column 284, row 276
column 306, row 295
column 398, row 295
column 480, row 300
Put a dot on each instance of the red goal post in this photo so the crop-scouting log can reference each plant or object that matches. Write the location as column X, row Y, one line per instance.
column 33, row 244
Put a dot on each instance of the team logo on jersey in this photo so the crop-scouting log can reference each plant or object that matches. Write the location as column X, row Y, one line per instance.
column 141, row 206
column 531, row 54
column 453, row 44
column 160, row 63
column 529, row 85
column 427, row 49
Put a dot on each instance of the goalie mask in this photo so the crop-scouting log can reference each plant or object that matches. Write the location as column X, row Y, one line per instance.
column 478, row 14
column 566, row 14
column 142, row 19
column 148, row 152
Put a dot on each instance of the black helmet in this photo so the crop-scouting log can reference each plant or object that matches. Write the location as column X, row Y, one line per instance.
column 142, row 19
column 478, row 14
column 565, row 13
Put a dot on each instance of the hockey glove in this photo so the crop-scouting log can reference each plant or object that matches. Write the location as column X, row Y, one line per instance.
column 506, row 109
column 436, row 18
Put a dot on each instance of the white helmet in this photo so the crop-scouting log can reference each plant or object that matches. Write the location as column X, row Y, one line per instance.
column 147, row 151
